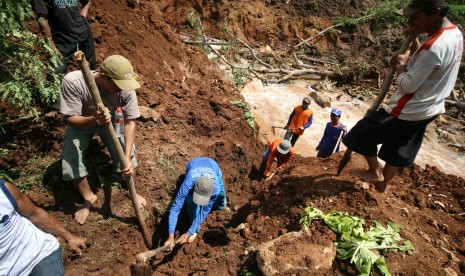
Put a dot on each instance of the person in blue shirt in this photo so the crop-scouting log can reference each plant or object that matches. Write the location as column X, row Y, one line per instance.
column 331, row 135
column 202, row 191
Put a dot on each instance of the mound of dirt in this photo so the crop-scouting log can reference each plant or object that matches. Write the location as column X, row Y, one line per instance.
column 194, row 117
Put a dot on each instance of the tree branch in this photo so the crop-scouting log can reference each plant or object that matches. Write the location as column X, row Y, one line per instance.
column 331, row 27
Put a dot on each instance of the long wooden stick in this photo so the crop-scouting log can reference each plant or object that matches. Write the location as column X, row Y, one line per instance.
column 338, row 141
column 90, row 81
column 379, row 99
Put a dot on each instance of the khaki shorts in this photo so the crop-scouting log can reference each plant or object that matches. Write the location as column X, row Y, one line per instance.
column 76, row 142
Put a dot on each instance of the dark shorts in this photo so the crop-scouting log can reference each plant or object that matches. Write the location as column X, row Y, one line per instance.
column 68, row 50
column 401, row 140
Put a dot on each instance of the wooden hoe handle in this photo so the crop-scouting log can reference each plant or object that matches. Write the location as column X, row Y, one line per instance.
column 382, row 94
column 90, row 81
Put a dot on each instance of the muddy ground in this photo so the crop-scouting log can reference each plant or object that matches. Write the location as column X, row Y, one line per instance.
column 194, row 117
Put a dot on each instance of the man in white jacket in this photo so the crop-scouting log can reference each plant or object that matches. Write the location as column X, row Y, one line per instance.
column 27, row 244
column 425, row 76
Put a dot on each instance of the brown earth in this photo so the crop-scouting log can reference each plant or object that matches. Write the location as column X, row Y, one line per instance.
column 192, row 97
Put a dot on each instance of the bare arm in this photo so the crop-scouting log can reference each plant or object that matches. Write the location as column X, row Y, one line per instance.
column 85, row 9
column 101, row 118
column 46, row 32
column 129, row 137
column 43, row 220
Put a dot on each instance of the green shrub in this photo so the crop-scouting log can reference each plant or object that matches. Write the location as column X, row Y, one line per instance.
column 26, row 75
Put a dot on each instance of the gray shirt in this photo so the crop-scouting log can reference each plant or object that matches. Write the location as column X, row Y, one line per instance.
column 76, row 99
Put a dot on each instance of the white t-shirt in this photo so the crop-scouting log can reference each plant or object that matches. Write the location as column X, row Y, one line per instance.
column 430, row 77
column 22, row 244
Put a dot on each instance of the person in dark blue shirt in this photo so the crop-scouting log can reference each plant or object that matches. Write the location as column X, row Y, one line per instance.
column 202, row 191
column 334, row 131
column 65, row 27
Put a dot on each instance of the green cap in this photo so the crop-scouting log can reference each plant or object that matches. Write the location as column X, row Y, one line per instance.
column 120, row 70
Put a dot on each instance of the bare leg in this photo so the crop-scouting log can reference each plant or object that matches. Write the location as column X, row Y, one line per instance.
column 140, row 199
column 83, row 188
column 373, row 174
column 389, row 172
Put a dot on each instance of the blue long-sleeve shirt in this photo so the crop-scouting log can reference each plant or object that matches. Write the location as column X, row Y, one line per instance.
column 194, row 169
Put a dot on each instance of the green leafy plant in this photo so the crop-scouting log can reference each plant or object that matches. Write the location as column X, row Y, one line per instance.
column 245, row 272
column 383, row 12
column 238, row 75
column 26, row 75
column 362, row 248
column 194, row 22
column 367, row 92
column 457, row 12
column 248, row 115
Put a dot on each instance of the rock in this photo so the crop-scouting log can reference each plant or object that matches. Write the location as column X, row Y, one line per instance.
column 405, row 211
column 362, row 185
column 444, row 227
column 433, row 222
column 452, row 256
column 245, row 233
column 240, row 227
column 308, row 258
column 148, row 114
column 321, row 99
column 439, row 203
column 449, row 272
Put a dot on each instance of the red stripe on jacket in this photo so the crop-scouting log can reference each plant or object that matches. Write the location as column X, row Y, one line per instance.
column 402, row 102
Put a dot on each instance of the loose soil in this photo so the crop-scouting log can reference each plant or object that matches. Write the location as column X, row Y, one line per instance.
column 194, row 117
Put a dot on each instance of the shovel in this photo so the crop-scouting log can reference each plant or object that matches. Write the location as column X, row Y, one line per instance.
column 141, row 268
column 273, row 129
column 338, row 141
column 382, row 94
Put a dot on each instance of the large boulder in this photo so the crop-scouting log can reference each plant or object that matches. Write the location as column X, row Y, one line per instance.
column 296, row 253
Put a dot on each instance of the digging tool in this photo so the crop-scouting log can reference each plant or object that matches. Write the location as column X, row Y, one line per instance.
column 273, row 129
column 338, row 140
column 380, row 98
column 90, row 82
column 141, row 268
column 271, row 176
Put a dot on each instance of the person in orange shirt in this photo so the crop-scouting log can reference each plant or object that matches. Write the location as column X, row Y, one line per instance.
column 300, row 119
column 281, row 150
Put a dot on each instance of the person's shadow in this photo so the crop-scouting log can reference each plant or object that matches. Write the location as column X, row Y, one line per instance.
column 160, row 234
column 101, row 176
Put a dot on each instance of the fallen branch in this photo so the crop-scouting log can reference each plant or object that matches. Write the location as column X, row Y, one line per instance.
column 196, row 42
column 456, row 104
column 269, row 69
column 316, row 60
column 15, row 121
column 331, row 27
column 251, row 50
column 294, row 73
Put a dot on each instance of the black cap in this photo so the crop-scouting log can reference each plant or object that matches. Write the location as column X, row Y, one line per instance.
column 418, row 5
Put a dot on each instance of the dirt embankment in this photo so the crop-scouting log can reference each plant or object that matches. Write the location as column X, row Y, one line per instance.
column 192, row 116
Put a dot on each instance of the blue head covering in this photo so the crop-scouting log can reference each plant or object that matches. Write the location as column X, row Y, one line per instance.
column 336, row 112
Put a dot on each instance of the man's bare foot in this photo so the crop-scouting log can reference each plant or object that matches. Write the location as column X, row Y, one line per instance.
column 142, row 201
column 369, row 176
column 380, row 186
column 83, row 211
